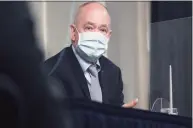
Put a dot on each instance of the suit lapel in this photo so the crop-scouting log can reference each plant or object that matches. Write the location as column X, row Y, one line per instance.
column 77, row 72
column 103, row 80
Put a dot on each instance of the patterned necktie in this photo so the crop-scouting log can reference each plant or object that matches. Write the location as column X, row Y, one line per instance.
column 95, row 88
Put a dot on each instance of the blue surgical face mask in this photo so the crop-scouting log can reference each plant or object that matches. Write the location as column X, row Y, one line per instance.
column 91, row 46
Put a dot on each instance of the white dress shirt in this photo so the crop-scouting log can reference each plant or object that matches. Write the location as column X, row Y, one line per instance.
column 85, row 65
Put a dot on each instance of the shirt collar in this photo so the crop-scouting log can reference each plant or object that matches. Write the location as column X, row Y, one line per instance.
column 84, row 65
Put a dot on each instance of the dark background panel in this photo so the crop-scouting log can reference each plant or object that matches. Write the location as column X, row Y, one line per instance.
column 171, row 43
column 168, row 10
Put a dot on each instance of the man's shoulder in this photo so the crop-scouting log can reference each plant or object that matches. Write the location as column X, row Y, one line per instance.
column 49, row 64
column 108, row 63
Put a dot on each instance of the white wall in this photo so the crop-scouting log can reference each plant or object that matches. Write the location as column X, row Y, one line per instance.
column 127, row 47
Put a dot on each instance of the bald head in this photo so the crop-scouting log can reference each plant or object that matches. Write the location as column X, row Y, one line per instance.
column 91, row 16
column 90, row 6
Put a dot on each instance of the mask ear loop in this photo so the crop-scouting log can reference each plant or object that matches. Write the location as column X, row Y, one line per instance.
column 75, row 28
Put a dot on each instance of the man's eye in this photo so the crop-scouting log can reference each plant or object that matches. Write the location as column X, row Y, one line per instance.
column 104, row 30
column 88, row 28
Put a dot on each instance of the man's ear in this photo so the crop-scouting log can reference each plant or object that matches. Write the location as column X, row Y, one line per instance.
column 72, row 32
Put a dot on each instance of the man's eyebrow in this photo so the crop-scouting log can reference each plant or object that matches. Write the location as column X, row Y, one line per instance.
column 89, row 23
column 108, row 26
column 104, row 25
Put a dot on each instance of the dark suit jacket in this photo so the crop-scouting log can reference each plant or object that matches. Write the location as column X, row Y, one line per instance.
column 65, row 67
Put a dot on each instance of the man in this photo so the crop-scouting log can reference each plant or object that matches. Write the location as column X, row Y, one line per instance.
column 82, row 68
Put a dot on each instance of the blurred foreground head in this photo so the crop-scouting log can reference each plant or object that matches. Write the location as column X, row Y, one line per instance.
column 27, row 100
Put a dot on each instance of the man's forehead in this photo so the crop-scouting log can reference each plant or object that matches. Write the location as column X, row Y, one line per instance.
column 84, row 9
